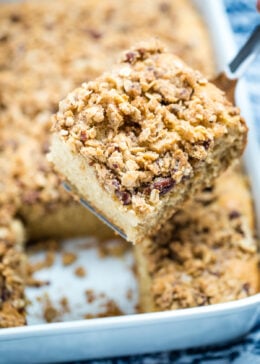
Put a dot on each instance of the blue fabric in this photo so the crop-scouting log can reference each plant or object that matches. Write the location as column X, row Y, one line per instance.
column 243, row 18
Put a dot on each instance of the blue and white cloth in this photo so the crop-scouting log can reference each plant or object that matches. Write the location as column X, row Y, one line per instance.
column 243, row 18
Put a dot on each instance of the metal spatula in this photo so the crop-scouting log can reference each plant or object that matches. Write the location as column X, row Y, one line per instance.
column 225, row 80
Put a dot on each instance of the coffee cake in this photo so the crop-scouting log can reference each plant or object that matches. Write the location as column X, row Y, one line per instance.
column 47, row 48
column 143, row 138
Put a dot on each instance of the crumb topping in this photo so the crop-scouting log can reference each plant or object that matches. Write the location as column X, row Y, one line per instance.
column 110, row 309
column 12, row 275
column 53, row 312
column 196, row 258
column 147, row 125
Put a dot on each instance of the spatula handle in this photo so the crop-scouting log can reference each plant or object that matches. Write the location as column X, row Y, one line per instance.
column 245, row 55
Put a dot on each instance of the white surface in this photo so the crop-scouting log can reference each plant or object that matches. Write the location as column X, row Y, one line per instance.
column 109, row 276
column 142, row 333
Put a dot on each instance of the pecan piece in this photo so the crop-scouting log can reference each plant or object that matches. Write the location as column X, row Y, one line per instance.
column 234, row 214
column 125, row 197
column 246, row 288
column 95, row 34
column 116, row 184
column 206, row 144
column 163, row 184
column 130, row 57
column 5, row 295
column 83, row 136
column 30, row 197
column 15, row 18
column 164, row 7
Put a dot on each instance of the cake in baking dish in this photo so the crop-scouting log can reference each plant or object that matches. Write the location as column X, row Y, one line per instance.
column 144, row 137
column 205, row 254
column 48, row 48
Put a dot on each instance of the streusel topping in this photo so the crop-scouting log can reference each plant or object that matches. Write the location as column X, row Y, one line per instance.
column 147, row 124
column 12, row 275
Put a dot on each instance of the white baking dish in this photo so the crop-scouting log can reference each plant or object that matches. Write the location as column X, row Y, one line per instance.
column 143, row 333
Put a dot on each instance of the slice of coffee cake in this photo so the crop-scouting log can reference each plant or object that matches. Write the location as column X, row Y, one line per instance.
column 140, row 140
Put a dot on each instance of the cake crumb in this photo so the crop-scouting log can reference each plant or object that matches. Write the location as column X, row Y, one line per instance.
column 91, row 296
column 50, row 313
column 36, row 283
column 129, row 294
column 64, row 302
column 80, row 272
column 47, row 262
column 138, row 308
column 111, row 309
column 49, row 247
column 68, row 258
column 133, row 269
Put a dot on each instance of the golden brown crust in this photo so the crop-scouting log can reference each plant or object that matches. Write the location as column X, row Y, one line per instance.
column 207, row 253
